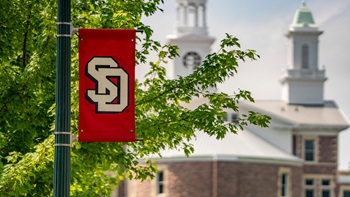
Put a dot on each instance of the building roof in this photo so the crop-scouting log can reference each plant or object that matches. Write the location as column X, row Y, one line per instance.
column 244, row 146
column 327, row 116
column 303, row 17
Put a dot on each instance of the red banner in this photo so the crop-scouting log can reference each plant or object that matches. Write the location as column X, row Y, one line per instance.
column 106, row 85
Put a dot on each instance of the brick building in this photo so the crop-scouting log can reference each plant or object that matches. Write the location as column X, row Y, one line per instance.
column 295, row 157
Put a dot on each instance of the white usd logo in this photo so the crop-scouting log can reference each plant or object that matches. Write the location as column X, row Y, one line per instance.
column 101, row 70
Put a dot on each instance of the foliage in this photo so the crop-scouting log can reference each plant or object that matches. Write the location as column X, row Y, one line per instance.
column 27, row 86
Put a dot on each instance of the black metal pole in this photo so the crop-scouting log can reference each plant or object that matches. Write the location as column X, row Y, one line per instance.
column 63, row 95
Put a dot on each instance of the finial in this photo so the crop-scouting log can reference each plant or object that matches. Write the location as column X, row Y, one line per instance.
column 303, row 2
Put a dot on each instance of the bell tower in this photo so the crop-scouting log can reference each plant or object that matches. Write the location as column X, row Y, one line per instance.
column 303, row 80
column 191, row 36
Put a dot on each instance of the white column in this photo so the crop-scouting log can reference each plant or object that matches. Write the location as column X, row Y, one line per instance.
column 185, row 15
column 204, row 16
column 196, row 16
column 178, row 16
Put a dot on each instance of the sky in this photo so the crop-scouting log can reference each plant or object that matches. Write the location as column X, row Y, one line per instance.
column 262, row 25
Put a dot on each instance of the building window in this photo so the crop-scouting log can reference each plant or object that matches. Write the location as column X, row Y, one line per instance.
column 231, row 117
column 309, row 193
column 319, row 186
column 284, row 185
column 309, row 188
column 234, row 117
column 346, row 193
column 304, row 56
column 160, row 182
column 326, row 188
column 284, row 182
column 309, row 150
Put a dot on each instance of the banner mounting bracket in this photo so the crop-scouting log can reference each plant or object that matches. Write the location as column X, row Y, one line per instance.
column 72, row 30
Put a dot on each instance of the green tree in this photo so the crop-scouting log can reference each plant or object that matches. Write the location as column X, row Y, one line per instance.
column 27, row 98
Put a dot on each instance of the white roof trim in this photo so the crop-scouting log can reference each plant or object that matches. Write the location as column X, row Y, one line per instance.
column 301, row 117
column 227, row 158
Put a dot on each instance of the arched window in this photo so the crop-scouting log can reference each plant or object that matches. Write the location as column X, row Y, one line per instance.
column 304, row 56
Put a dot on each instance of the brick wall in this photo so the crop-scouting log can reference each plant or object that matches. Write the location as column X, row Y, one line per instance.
column 328, row 148
column 330, row 169
column 221, row 179
column 254, row 179
column 192, row 179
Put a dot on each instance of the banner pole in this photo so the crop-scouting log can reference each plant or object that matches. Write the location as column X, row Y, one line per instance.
column 62, row 132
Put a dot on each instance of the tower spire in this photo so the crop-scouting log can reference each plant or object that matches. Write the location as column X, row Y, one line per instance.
column 303, row 2
column 302, row 83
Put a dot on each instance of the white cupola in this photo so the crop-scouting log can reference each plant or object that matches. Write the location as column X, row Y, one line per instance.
column 303, row 80
column 191, row 36
column 191, row 17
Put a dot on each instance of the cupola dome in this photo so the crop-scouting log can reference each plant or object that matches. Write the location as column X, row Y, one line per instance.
column 303, row 17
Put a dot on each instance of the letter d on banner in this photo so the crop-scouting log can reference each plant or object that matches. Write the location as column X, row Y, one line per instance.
column 106, row 85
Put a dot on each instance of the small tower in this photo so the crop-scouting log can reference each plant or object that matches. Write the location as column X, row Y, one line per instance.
column 190, row 36
column 303, row 81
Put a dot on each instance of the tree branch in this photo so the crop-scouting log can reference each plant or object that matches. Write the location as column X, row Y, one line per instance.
column 25, row 38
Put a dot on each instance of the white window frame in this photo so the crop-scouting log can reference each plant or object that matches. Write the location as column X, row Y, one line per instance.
column 286, row 187
column 326, row 187
column 318, row 186
column 343, row 188
column 315, row 150
column 155, row 182
column 309, row 187
column 160, row 183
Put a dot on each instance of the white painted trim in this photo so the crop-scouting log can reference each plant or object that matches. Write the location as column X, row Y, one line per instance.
column 287, row 171
column 344, row 179
column 229, row 158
